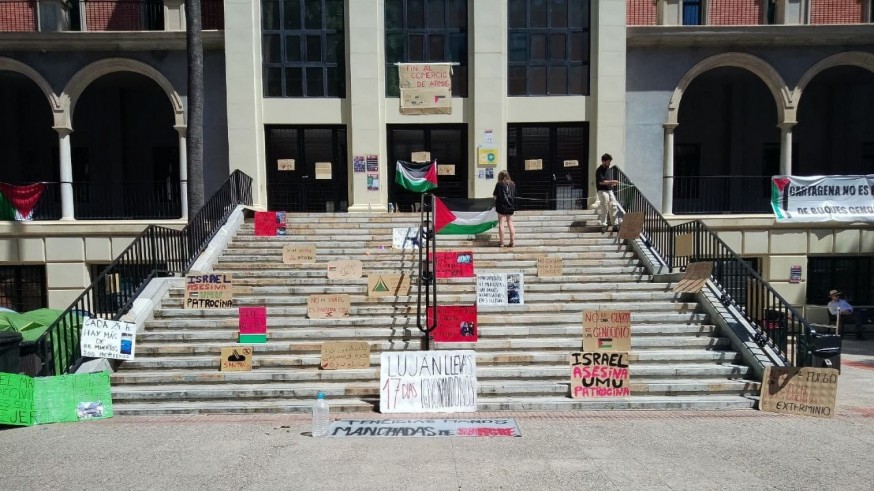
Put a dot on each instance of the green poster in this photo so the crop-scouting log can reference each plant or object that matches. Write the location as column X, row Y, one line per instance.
column 73, row 398
column 16, row 399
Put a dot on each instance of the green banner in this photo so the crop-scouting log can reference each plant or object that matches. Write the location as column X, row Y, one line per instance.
column 25, row 401
column 16, row 399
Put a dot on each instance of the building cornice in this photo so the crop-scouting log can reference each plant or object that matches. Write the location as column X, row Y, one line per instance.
column 729, row 37
column 105, row 41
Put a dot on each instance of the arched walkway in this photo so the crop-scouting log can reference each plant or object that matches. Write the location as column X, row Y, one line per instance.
column 11, row 65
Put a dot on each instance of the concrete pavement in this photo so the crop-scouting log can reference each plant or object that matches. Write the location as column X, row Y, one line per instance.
column 575, row 450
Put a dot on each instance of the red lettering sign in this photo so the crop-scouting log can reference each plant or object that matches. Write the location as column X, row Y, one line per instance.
column 455, row 324
column 454, row 264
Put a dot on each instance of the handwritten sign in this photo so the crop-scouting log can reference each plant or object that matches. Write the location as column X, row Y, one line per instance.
column 285, row 164
column 606, row 330
column 420, row 157
column 337, row 355
column 800, row 391
column 599, row 374
column 16, row 399
column 427, row 381
column 534, row 164
column 500, row 289
column 425, row 88
column 209, row 291
column 331, row 306
column 549, row 266
column 455, row 323
column 425, row 428
column 383, row 285
column 236, row 359
column 103, row 338
column 632, row 226
column 684, row 245
column 269, row 223
column 571, row 163
column 253, row 325
column 72, row 397
column 454, row 264
column 694, row 278
column 445, row 169
column 351, row 269
column 405, row 238
column 299, row 254
column 323, row 171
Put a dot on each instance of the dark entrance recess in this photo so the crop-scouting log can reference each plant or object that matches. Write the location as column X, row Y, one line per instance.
column 298, row 189
column 447, row 144
column 554, row 187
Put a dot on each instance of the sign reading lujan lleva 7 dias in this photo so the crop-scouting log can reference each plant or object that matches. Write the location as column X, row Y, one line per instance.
column 823, row 198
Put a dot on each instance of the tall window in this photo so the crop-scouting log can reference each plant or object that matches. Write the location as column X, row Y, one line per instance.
column 426, row 31
column 548, row 47
column 692, row 12
column 23, row 288
column 303, row 48
column 850, row 274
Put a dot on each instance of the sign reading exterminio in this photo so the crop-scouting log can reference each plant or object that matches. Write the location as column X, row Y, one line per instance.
column 427, row 382
column 823, row 198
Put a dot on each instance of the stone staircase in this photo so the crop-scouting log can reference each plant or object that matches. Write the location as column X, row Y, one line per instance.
column 678, row 360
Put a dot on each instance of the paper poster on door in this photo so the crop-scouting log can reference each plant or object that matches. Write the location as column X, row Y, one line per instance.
column 323, row 171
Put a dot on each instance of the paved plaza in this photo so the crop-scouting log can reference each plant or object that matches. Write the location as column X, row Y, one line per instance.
column 571, row 450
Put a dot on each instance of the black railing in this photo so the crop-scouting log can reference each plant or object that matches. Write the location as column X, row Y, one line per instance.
column 721, row 194
column 777, row 323
column 157, row 251
column 147, row 200
column 124, row 15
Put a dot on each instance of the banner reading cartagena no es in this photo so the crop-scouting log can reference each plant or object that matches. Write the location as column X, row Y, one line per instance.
column 796, row 199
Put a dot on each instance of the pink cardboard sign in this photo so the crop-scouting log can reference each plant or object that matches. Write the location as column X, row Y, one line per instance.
column 454, row 264
column 253, row 320
column 455, row 324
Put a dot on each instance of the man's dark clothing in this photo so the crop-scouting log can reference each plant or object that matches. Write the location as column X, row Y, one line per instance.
column 601, row 176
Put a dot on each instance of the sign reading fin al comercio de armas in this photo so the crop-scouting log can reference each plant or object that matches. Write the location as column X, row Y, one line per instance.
column 798, row 199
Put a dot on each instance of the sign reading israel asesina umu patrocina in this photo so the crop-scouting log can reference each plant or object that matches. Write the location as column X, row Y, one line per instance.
column 823, row 198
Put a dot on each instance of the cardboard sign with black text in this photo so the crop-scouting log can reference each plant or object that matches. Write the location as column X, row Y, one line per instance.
column 331, row 306
column 299, row 254
column 236, row 359
column 799, row 391
column 337, row 355
column 427, row 381
column 345, row 269
column 549, row 266
column 599, row 374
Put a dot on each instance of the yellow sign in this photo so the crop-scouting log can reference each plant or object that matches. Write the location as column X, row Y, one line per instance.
column 486, row 157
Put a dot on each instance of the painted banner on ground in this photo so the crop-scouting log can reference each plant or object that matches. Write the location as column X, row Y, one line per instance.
column 269, row 223
column 209, row 291
column 500, row 289
column 330, row 306
column 800, row 391
column 345, row 269
column 337, row 355
column 26, row 401
column 597, row 374
column 427, row 381
column 385, row 285
column 253, row 325
column 454, row 264
column 405, row 238
column 797, row 199
column 103, row 338
column 455, row 324
column 16, row 399
column 425, row 427
column 606, row 330
column 236, row 359
column 426, row 88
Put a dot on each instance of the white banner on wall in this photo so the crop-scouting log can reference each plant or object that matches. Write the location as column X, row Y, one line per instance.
column 823, row 198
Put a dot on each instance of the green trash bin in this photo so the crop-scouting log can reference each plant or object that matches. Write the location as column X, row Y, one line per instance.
column 9, row 343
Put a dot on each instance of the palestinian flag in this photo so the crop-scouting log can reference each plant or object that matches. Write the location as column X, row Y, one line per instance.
column 605, row 343
column 416, row 177
column 18, row 202
column 464, row 216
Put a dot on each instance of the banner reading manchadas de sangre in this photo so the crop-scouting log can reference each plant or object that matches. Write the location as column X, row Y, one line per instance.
column 823, row 198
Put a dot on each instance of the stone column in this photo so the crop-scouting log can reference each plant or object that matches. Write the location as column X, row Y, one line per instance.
column 183, row 169
column 786, row 148
column 66, row 162
column 668, row 183
column 174, row 15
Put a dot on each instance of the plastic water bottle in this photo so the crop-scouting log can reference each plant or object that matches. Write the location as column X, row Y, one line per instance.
column 321, row 414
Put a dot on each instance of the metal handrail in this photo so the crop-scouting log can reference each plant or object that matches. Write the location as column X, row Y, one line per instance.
column 427, row 237
column 157, row 251
column 776, row 322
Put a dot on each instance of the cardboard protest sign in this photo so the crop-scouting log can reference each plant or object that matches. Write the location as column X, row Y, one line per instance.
column 500, row 289
column 606, row 330
column 236, row 359
column 299, row 254
column 103, row 338
column 384, row 285
column 445, row 169
column 330, row 306
column 694, row 278
column 209, row 291
column 799, row 391
column 455, row 324
column 253, row 325
column 17, row 399
column 323, row 171
column 549, row 266
column 534, row 164
column 345, row 270
column 631, row 227
column 684, row 245
column 599, row 374
column 405, row 238
column 269, row 223
column 426, row 88
column 454, row 264
column 337, row 355
column 72, row 397
column 571, row 163
column 420, row 157
column 285, row 164
column 427, row 381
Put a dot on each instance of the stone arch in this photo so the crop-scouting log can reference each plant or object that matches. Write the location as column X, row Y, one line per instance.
column 83, row 78
column 851, row 58
column 8, row 64
column 760, row 68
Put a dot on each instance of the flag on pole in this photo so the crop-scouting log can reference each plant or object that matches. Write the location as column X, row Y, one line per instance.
column 416, row 178
column 17, row 202
column 464, row 216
